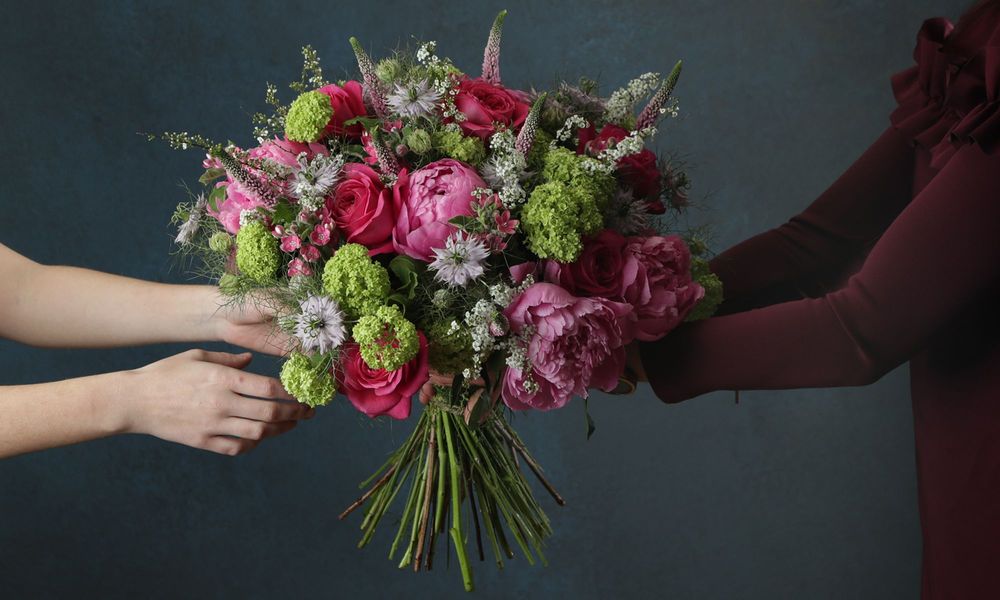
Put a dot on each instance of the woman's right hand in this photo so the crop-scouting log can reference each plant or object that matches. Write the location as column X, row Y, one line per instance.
column 200, row 399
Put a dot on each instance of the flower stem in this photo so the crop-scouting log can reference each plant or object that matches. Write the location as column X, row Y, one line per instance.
column 456, row 501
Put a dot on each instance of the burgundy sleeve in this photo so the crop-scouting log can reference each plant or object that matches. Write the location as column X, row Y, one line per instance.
column 933, row 260
column 814, row 251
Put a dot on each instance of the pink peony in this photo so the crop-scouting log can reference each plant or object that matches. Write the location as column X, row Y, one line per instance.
column 347, row 103
column 485, row 105
column 377, row 392
column 652, row 274
column 577, row 343
column 434, row 195
column 364, row 209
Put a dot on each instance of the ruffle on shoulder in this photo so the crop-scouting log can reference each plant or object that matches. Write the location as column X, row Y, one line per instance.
column 943, row 104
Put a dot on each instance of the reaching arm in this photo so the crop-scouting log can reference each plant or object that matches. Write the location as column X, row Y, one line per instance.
column 934, row 260
column 808, row 254
column 70, row 307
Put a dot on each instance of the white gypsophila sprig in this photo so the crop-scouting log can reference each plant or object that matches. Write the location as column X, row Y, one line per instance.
column 319, row 326
column 607, row 159
column 426, row 54
column 506, row 167
column 572, row 123
column 460, row 261
column 246, row 216
column 414, row 99
column 191, row 225
column 315, row 178
column 621, row 105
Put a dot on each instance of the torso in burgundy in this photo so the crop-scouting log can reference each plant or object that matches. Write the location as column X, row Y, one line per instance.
column 899, row 260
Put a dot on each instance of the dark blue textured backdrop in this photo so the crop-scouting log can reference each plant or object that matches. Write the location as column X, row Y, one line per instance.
column 799, row 494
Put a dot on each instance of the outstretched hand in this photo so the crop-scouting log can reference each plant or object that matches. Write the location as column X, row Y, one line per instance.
column 251, row 324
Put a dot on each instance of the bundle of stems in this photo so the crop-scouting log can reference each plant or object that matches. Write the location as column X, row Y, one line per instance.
column 455, row 473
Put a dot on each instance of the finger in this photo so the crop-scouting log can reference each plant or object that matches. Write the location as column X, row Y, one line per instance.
column 262, row 337
column 236, row 361
column 426, row 393
column 258, row 386
column 267, row 410
column 229, row 446
column 254, row 430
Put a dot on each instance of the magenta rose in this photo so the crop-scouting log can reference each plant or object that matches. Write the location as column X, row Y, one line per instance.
column 485, row 104
column 377, row 392
column 656, row 281
column 637, row 171
column 347, row 103
column 432, row 197
column 578, row 343
column 363, row 209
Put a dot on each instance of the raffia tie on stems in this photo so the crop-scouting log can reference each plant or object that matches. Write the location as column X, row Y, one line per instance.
column 452, row 469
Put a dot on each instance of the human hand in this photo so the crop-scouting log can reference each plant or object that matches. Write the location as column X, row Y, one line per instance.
column 252, row 324
column 199, row 399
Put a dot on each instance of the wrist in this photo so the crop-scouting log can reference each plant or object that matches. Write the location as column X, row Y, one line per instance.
column 110, row 404
column 208, row 321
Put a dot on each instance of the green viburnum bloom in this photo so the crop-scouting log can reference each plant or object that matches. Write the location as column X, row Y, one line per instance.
column 468, row 149
column 449, row 350
column 307, row 382
column 355, row 281
column 706, row 307
column 220, row 242
column 536, row 156
column 308, row 116
column 565, row 166
column 419, row 141
column 556, row 217
column 257, row 253
column 386, row 339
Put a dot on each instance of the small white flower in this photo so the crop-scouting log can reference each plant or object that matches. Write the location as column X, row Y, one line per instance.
column 417, row 99
column 320, row 324
column 460, row 261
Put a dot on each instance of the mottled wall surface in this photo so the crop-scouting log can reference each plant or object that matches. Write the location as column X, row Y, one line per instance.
column 799, row 494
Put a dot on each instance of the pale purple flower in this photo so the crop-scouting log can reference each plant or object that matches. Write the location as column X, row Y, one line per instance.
column 190, row 226
column 460, row 261
column 315, row 178
column 417, row 99
column 320, row 324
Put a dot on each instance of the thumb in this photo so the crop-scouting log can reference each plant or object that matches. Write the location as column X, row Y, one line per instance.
column 236, row 361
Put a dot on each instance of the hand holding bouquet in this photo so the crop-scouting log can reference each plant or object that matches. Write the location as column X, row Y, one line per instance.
column 423, row 218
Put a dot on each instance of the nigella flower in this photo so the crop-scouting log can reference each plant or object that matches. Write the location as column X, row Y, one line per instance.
column 190, row 226
column 320, row 324
column 415, row 99
column 460, row 261
column 315, row 178
column 626, row 214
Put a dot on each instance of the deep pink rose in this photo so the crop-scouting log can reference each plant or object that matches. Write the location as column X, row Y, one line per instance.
column 377, row 392
column 637, row 171
column 578, row 343
column 347, row 103
column 362, row 207
column 656, row 281
column 485, row 104
column 598, row 270
column 433, row 196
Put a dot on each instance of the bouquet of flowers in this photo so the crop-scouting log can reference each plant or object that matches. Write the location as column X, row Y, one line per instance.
column 422, row 220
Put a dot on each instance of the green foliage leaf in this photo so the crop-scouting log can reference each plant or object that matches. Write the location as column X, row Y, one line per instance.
column 407, row 272
column 284, row 212
column 211, row 175
column 215, row 196
column 369, row 123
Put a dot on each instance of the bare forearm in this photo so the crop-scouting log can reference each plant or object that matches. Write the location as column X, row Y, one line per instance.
column 71, row 307
column 47, row 415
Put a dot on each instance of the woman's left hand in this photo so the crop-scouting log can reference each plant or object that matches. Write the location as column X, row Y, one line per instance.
column 251, row 324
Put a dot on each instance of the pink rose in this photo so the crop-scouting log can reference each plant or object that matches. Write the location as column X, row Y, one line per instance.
column 433, row 196
column 485, row 104
column 577, row 344
column 656, row 281
column 637, row 171
column 378, row 392
column 347, row 103
column 363, row 208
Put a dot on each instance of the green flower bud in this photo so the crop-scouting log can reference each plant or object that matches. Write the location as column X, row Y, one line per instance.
column 419, row 141
column 220, row 242
column 386, row 339
column 389, row 70
column 257, row 253
column 308, row 383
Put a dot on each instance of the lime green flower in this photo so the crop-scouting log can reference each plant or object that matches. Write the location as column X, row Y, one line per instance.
column 257, row 253
column 308, row 116
column 220, row 242
column 355, row 281
column 386, row 339
column 419, row 141
column 450, row 350
column 309, row 383
column 556, row 217
column 468, row 149
column 565, row 166
column 389, row 70
column 707, row 306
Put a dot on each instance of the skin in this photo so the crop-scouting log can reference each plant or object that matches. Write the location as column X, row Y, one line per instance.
column 197, row 398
